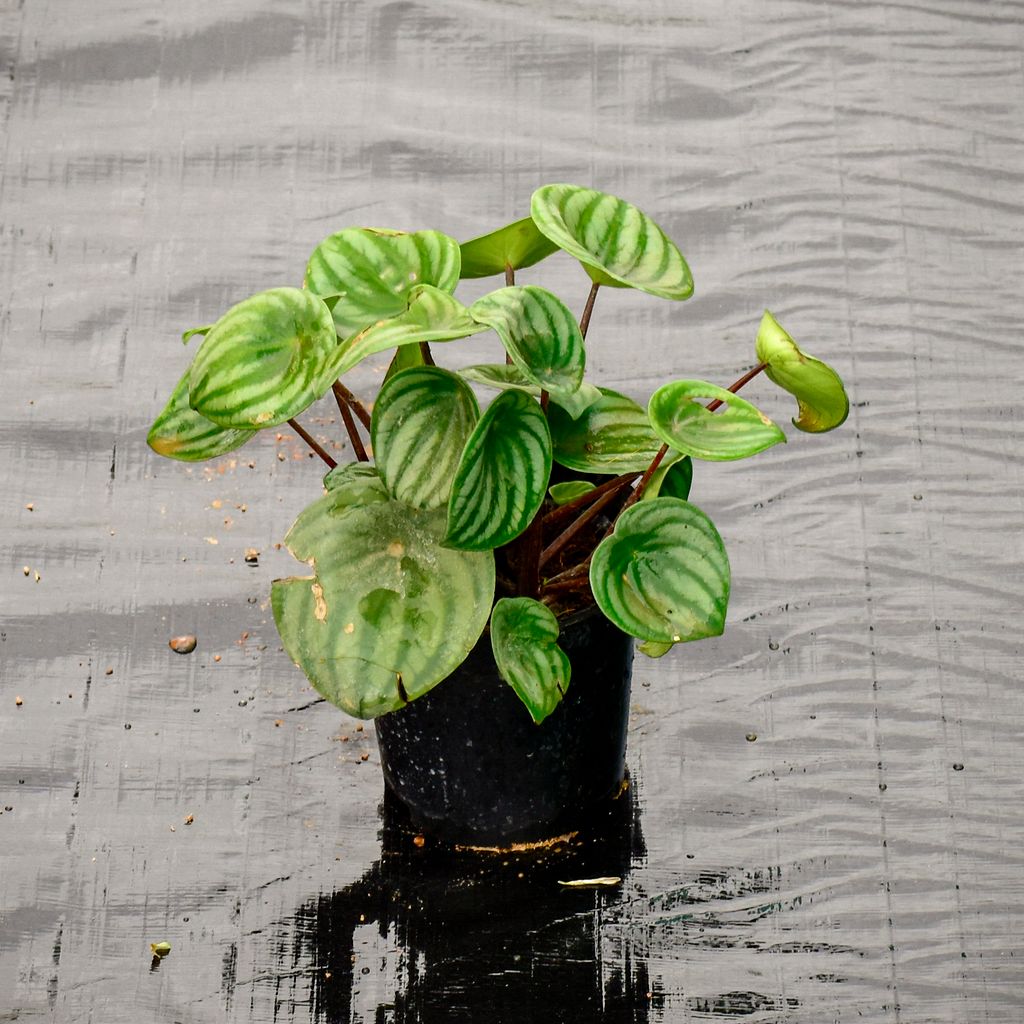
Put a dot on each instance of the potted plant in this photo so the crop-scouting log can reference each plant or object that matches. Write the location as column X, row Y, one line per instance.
column 476, row 584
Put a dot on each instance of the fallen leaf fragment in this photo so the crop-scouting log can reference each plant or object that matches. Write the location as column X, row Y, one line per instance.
column 588, row 883
column 182, row 644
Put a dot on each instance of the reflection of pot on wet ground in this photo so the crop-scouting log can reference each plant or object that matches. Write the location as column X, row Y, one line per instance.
column 471, row 765
column 438, row 933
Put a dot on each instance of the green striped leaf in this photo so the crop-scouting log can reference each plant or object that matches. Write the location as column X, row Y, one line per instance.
column 432, row 315
column 671, row 481
column 569, row 490
column 616, row 242
column 388, row 612
column 539, row 332
column 422, row 419
column 736, row 431
column 818, row 389
column 524, row 638
column 514, row 246
column 264, row 360
column 502, row 476
column 366, row 274
column 507, row 377
column 611, row 436
column 663, row 574
column 179, row 432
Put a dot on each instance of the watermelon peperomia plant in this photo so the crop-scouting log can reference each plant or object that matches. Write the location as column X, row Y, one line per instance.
column 557, row 496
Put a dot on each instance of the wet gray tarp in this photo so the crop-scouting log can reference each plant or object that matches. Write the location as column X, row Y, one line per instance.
column 856, row 167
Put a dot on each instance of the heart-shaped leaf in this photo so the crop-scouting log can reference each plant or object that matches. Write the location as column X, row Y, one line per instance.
column 514, row 246
column 616, row 242
column 388, row 612
column 663, row 574
column 264, row 360
column 179, row 432
column 524, row 638
column 671, row 481
column 422, row 419
column 681, row 419
column 569, row 490
column 539, row 332
column 613, row 435
column 507, row 377
column 502, row 476
column 818, row 389
column 432, row 315
column 366, row 274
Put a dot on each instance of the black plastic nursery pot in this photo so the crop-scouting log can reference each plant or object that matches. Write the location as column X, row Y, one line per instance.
column 470, row 765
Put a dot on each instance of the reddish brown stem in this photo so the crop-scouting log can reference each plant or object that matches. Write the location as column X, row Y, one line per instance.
column 570, row 576
column 312, row 442
column 343, row 395
column 579, row 582
column 353, row 434
column 638, row 491
column 529, row 558
column 745, row 379
column 588, row 309
column 563, row 514
column 559, row 543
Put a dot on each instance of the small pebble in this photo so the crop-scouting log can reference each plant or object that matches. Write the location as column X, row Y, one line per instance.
column 252, row 556
column 364, row 757
column 772, row 645
column 182, row 644
column 751, row 737
column 38, row 577
column 418, row 841
column 30, row 507
column 918, row 497
column 18, row 701
column 26, row 570
column 189, row 819
column 108, row 671
column 216, row 657
column 882, row 787
column 958, row 767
